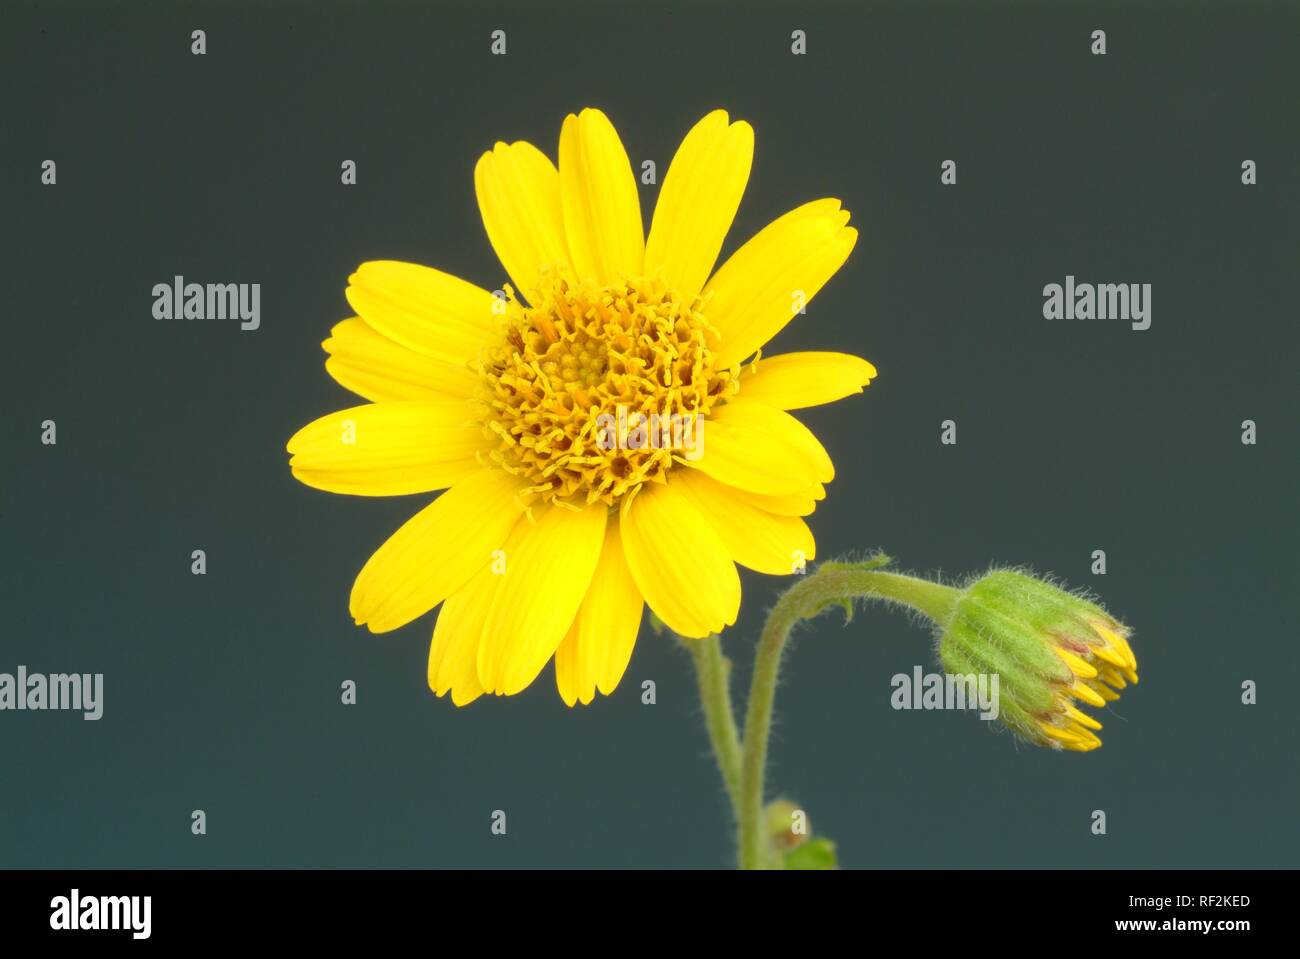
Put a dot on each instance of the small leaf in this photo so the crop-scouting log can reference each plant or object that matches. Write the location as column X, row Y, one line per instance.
column 874, row 561
column 814, row 854
column 844, row 602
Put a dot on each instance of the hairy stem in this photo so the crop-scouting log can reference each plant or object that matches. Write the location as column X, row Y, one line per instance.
column 831, row 584
column 713, row 673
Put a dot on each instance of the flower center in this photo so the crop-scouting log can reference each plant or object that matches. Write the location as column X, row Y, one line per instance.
column 598, row 389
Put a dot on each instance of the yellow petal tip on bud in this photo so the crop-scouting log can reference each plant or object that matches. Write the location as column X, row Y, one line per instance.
column 1112, row 677
column 1071, row 737
column 1089, row 695
column 1107, row 694
column 1109, row 655
column 1082, row 718
column 1116, row 641
column 1079, row 666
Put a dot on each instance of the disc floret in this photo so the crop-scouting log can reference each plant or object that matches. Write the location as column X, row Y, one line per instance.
column 584, row 354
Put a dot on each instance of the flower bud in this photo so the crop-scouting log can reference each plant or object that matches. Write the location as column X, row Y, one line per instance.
column 1050, row 650
column 781, row 816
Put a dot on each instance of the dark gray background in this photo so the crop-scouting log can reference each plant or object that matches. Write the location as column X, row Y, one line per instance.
column 222, row 692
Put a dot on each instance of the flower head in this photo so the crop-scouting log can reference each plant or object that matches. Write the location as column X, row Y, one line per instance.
column 555, row 412
column 1051, row 649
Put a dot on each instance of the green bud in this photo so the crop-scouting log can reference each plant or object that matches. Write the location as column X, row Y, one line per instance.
column 1049, row 649
column 781, row 816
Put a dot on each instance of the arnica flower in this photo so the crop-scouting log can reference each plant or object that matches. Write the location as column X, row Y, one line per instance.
column 1051, row 650
column 560, row 523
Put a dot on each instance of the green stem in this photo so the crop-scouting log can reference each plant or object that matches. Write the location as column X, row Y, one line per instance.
column 831, row 584
column 713, row 673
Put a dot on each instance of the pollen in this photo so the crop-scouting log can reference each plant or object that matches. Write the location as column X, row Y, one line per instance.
column 583, row 357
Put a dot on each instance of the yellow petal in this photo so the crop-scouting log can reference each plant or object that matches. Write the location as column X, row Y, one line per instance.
column 1082, row 718
column 388, row 449
column 678, row 562
column 793, row 381
column 574, row 686
column 371, row 365
column 549, row 566
column 809, row 444
column 436, row 551
column 698, row 201
column 453, row 653
column 1111, row 676
column 602, row 211
column 1120, row 643
column 610, row 616
column 1078, row 665
column 1107, row 694
column 761, row 287
column 1072, row 737
column 425, row 310
column 761, row 449
column 1083, row 689
column 1109, row 655
column 518, row 192
column 598, row 648
column 789, row 504
column 759, row 540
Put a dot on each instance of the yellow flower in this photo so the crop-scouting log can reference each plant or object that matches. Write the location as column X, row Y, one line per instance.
column 560, row 521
